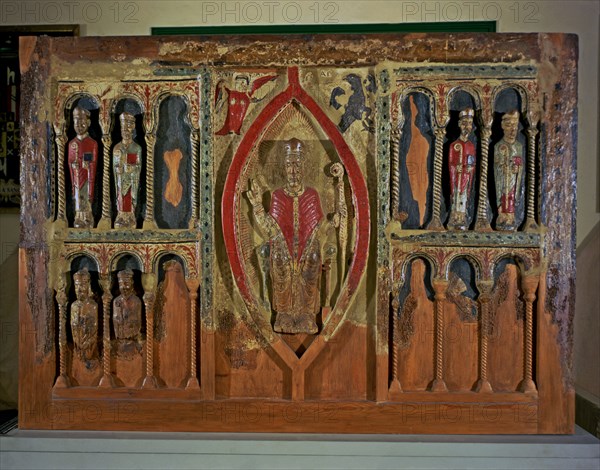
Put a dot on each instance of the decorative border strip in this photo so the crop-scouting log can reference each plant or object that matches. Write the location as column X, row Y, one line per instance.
column 206, row 196
column 466, row 70
column 383, row 170
column 137, row 236
column 466, row 239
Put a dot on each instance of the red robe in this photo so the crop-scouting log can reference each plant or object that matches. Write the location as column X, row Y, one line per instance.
column 82, row 150
column 462, row 182
column 296, row 261
column 309, row 215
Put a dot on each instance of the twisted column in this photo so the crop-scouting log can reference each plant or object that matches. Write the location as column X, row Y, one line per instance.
column 61, row 141
column 107, row 380
column 482, row 223
column 193, row 284
column 530, row 284
column 395, row 137
column 439, row 287
column 395, row 386
column 149, row 222
column 530, row 223
column 483, row 384
column 194, row 179
column 436, row 223
column 149, row 284
column 62, row 381
column 105, row 220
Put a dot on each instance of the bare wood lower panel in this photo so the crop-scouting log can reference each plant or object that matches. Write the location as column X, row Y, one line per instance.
column 279, row 416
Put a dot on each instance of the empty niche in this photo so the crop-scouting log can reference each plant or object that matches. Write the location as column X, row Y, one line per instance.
column 84, row 325
column 172, row 311
column 83, row 163
column 172, row 164
column 413, row 329
column 508, row 162
column 461, row 162
column 506, row 341
column 130, row 106
column 461, row 327
column 416, row 161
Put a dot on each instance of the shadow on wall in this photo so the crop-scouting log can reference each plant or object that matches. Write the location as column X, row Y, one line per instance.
column 9, row 331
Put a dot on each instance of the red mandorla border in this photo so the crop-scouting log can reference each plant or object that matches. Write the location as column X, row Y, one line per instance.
column 294, row 91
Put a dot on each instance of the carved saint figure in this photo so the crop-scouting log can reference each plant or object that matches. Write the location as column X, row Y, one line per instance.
column 295, row 253
column 127, row 165
column 238, row 101
column 508, row 171
column 461, row 162
column 83, row 158
column 84, row 317
column 127, row 309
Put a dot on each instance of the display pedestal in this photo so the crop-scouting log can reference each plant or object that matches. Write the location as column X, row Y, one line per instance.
column 86, row 450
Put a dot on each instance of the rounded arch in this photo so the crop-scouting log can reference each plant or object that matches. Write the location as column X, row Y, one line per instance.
column 523, row 262
column 161, row 97
column 471, row 259
column 403, row 95
column 474, row 92
column 519, row 89
column 82, row 261
column 112, row 263
column 70, row 101
column 156, row 260
column 418, row 255
column 123, row 96
column 141, row 119
column 70, row 257
column 63, row 111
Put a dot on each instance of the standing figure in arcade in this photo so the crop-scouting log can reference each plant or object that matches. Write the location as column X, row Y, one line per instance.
column 508, row 171
column 84, row 317
column 291, row 226
column 461, row 162
column 83, row 158
column 127, row 310
column 127, row 165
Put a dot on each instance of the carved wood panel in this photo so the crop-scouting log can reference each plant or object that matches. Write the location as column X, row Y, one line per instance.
column 275, row 234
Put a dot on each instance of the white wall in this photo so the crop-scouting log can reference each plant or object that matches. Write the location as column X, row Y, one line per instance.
column 123, row 17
